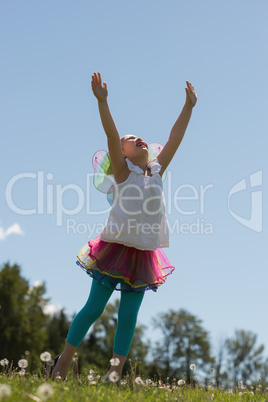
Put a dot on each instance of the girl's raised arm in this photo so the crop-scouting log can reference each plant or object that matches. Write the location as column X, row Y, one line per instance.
column 113, row 139
column 178, row 130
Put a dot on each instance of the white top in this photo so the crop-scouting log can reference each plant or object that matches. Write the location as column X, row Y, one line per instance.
column 137, row 218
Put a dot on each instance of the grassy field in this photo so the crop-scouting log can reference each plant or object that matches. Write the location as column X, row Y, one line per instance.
column 17, row 385
column 83, row 388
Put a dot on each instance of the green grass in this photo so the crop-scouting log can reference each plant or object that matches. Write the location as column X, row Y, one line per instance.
column 80, row 388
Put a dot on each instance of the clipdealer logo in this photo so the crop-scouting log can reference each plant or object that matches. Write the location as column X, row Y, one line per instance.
column 50, row 201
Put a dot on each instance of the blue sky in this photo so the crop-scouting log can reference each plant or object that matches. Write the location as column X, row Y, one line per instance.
column 50, row 129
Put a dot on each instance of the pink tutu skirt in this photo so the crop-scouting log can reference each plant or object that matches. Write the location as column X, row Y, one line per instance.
column 124, row 268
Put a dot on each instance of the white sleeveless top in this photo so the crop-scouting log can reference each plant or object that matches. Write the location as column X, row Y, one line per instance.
column 137, row 218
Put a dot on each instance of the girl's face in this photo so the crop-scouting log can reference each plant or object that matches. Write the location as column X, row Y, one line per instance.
column 133, row 146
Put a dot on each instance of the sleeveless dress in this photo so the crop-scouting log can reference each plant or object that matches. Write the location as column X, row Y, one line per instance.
column 127, row 255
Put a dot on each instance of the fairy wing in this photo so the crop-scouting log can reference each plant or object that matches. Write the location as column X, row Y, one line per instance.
column 103, row 174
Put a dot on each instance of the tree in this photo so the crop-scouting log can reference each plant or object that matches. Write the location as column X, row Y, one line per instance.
column 245, row 359
column 22, row 317
column 57, row 327
column 184, row 342
column 220, row 375
column 264, row 374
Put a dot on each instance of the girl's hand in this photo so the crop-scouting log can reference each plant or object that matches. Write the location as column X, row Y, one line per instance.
column 191, row 96
column 99, row 89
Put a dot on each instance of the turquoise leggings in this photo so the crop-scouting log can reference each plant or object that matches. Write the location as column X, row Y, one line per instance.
column 127, row 316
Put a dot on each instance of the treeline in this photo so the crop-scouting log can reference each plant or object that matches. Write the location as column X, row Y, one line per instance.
column 26, row 330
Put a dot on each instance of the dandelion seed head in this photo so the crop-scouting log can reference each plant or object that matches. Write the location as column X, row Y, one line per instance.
column 192, row 367
column 181, row 382
column 92, row 372
column 22, row 372
column 90, row 377
column 45, row 357
column 114, row 376
column 115, row 361
column 4, row 362
column 45, row 391
column 5, row 390
column 22, row 363
column 139, row 381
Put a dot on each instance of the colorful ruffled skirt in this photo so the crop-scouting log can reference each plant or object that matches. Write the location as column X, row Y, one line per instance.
column 124, row 268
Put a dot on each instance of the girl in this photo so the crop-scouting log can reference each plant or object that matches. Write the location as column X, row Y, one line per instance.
column 127, row 256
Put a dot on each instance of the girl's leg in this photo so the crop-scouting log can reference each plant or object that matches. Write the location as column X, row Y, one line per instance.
column 127, row 317
column 97, row 300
